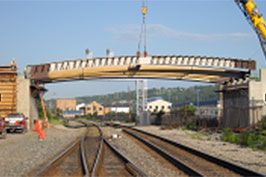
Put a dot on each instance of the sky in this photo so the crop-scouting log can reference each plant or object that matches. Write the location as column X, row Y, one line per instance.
column 35, row 32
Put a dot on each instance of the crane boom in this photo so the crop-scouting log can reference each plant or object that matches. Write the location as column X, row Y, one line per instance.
column 254, row 17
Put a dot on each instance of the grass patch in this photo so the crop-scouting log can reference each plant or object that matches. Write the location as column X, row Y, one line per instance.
column 57, row 122
column 251, row 139
column 197, row 136
column 86, row 118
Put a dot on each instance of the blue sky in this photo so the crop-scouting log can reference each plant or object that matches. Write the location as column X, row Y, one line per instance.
column 36, row 32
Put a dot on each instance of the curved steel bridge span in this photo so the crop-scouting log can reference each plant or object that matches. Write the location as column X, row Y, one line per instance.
column 195, row 68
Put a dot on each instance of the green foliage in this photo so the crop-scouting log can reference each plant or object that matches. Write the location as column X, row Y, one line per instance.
column 95, row 114
column 262, row 125
column 159, row 116
column 59, row 112
column 190, row 109
column 57, row 122
column 245, row 138
column 111, row 113
column 175, row 95
column 252, row 140
column 189, row 126
column 40, row 111
column 133, row 115
column 227, row 134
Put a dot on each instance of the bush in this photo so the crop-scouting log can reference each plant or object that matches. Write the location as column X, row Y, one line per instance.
column 252, row 140
column 189, row 126
column 262, row 124
column 245, row 138
column 158, row 118
column 227, row 134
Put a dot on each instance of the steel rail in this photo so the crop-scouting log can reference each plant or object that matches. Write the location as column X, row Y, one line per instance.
column 96, row 162
column 117, row 153
column 177, row 163
column 233, row 167
column 83, row 158
column 126, row 160
column 56, row 159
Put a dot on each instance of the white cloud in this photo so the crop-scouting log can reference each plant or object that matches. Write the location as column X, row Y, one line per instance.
column 130, row 33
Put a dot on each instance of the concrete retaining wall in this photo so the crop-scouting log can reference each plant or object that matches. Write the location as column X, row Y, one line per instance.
column 26, row 104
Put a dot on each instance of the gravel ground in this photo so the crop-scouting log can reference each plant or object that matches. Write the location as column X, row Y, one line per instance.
column 210, row 144
column 143, row 158
column 22, row 153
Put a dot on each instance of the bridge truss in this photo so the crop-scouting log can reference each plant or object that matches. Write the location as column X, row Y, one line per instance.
column 195, row 68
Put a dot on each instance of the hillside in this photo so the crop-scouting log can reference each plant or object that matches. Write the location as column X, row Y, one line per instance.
column 175, row 95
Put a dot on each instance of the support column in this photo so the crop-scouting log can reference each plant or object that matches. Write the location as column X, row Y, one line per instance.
column 143, row 116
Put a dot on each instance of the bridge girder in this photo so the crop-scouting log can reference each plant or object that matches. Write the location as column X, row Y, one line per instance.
column 205, row 69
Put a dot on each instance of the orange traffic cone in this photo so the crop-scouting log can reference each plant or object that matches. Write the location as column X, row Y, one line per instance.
column 37, row 126
column 41, row 135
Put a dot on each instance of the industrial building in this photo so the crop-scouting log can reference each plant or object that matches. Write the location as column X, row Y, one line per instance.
column 158, row 104
column 94, row 108
column 66, row 104
column 8, row 89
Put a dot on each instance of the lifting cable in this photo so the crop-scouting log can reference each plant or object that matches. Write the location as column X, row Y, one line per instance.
column 143, row 30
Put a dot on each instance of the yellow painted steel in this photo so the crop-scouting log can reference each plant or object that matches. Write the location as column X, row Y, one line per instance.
column 256, row 17
column 144, row 10
column 169, row 72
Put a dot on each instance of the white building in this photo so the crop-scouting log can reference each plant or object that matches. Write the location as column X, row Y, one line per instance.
column 120, row 109
column 159, row 104
column 80, row 106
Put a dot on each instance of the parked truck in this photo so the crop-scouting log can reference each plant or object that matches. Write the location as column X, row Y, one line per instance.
column 16, row 121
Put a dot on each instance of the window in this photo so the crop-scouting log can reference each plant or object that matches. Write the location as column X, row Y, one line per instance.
column 169, row 107
column 88, row 108
column 156, row 107
column 162, row 107
column 94, row 108
column 0, row 97
column 100, row 109
column 150, row 107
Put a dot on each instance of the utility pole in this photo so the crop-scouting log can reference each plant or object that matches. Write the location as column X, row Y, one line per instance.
column 105, row 103
column 129, row 104
column 198, row 96
column 116, row 105
column 141, row 99
column 137, row 98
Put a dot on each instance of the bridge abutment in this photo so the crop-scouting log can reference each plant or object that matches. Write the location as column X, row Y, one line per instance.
column 27, row 100
column 244, row 102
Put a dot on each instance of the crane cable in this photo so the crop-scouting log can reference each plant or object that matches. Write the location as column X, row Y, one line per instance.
column 143, row 30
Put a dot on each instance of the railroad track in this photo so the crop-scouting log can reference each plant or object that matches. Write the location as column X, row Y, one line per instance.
column 70, row 162
column 91, row 155
column 191, row 161
column 110, row 162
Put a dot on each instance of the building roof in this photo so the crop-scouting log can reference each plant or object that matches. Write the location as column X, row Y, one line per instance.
column 5, row 65
column 93, row 102
column 151, row 99
column 65, row 98
column 72, row 112
column 201, row 103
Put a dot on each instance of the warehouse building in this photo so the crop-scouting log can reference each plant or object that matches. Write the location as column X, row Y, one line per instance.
column 66, row 104
column 158, row 104
column 8, row 89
